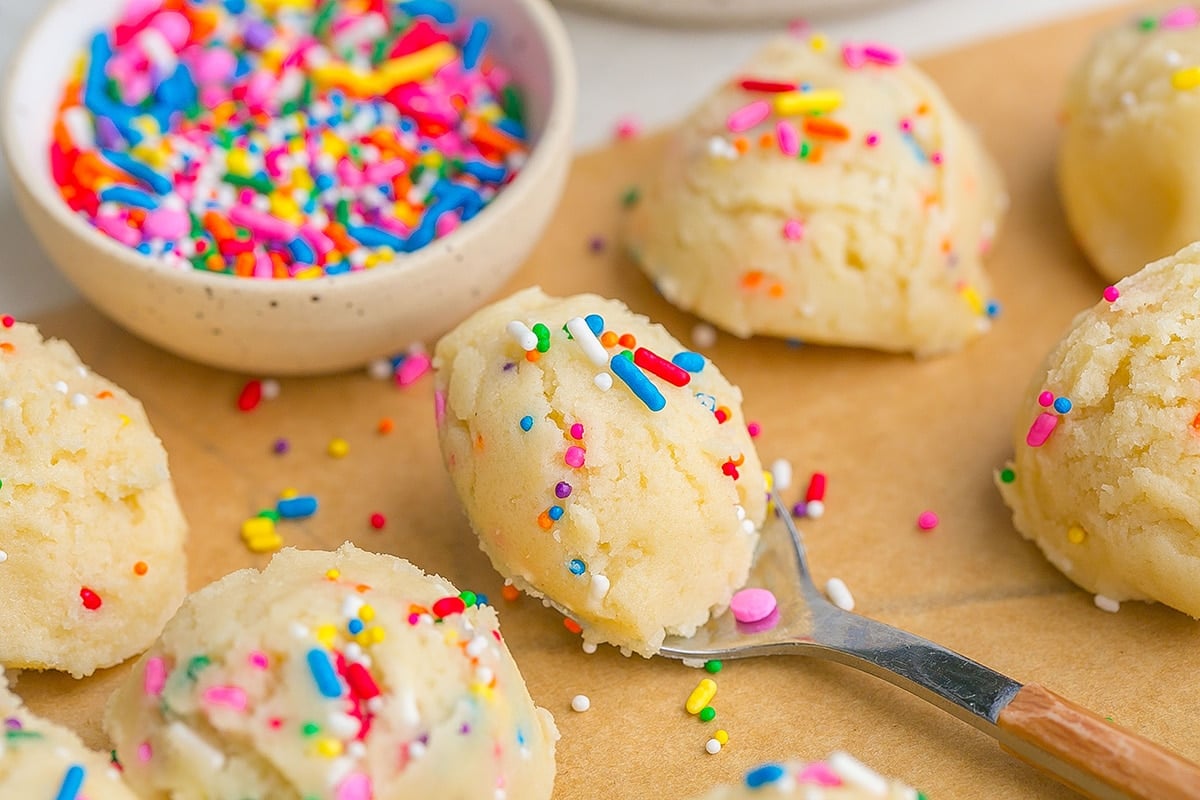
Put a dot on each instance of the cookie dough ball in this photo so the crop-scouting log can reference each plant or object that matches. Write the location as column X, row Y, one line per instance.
column 1128, row 168
column 840, row 777
column 342, row 674
column 856, row 213
column 92, row 562
column 39, row 759
column 633, row 511
column 1106, row 476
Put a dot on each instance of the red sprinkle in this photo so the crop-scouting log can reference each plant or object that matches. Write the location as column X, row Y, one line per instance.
column 572, row 625
column 816, row 488
column 7, row 321
column 758, row 85
column 447, row 606
column 91, row 600
column 378, row 521
column 250, row 396
column 362, row 685
column 657, row 365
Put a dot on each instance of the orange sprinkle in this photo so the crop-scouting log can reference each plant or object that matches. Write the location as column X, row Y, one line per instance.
column 479, row 441
column 532, row 355
column 572, row 625
column 103, row 394
column 243, row 265
column 494, row 138
column 544, row 521
column 741, row 145
column 7, row 347
column 923, row 108
column 386, row 425
column 140, row 568
column 776, row 290
column 766, row 140
column 752, row 279
column 627, row 340
column 608, row 338
column 62, row 137
column 819, row 126
column 341, row 239
column 1196, row 422
column 278, row 266
column 510, row 592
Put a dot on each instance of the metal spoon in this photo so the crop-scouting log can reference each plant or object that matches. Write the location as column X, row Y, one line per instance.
column 1068, row 742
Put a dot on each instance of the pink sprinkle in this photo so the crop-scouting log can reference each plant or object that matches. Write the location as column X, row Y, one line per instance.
column 412, row 368
column 1111, row 293
column 155, row 677
column 1041, row 429
column 820, row 774
column 853, row 56
column 144, row 752
column 231, row 696
column 574, row 456
column 793, row 230
column 413, row 619
column 748, row 116
column 906, row 125
column 1046, row 399
column 752, row 605
column 936, row 158
column 165, row 223
column 259, row 660
column 1180, row 17
column 881, row 54
column 628, row 127
column 754, row 429
column 356, row 786
column 927, row 520
column 788, row 138
column 872, row 139
column 577, row 431
column 439, row 406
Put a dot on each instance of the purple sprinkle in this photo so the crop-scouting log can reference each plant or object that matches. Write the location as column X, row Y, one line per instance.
column 508, row 366
column 465, row 729
column 799, row 510
column 257, row 35
column 562, row 490
column 12, row 723
column 597, row 244
column 281, row 446
column 107, row 134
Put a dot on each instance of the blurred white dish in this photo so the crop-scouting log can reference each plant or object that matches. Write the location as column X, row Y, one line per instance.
column 718, row 12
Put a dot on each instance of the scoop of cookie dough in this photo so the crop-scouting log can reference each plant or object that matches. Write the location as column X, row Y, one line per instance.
column 344, row 675
column 1106, row 475
column 1127, row 162
column 41, row 760
column 825, row 194
column 840, row 777
column 633, row 510
column 91, row 536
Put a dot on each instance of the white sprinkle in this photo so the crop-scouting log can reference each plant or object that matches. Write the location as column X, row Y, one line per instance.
column 270, row 389
column 598, row 587
column 1173, row 58
column 587, row 341
column 523, row 336
column 814, row 509
column 704, row 335
column 380, row 369
column 839, row 594
column 189, row 743
column 298, row 630
column 356, row 749
column 416, row 750
column 484, row 674
column 477, row 646
column 589, row 647
column 781, row 474
column 60, row 387
column 580, row 703
column 343, row 725
column 81, row 371
column 748, row 526
column 78, row 400
column 1107, row 604
column 851, row 770
column 740, row 511
column 603, row 381
column 3, row 556
column 712, row 747
column 9, row 404
column 352, row 605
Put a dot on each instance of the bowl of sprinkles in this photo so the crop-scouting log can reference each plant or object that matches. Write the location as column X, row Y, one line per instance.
column 289, row 186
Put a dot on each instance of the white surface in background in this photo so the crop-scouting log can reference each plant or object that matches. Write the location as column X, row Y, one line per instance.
column 651, row 74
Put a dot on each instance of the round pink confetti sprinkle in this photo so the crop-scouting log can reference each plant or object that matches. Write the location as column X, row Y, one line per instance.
column 577, row 431
column 258, row 660
column 1046, row 399
column 793, row 230
column 872, row 139
column 1111, row 293
column 754, row 429
column 575, row 456
column 752, row 605
column 748, row 116
column 628, row 128
column 144, row 752
column 936, row 158
column 906, row 125
column 927, row 520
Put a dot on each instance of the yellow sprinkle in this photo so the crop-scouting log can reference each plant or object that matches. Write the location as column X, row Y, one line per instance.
column 333, row 573
column 285, row 207
column 124, row 419
column 238, row 162
column 411, row 67
column 289, row 493
column 405, row 213
column 481, row 689
column 264, row 544
column 1186, row 78
column 330, row 748
column 326, row 634
column 309, row 274
column 363, row 638
column 769, row 479
column 818, row 42
column 701, row 696
column 258, row 528
column 366, row 613
column 377, row 635
column 272, row 57
column 1076, row 534
column 722, row 736
column 338, row 448
column 973, row 299
column 807, row 102
column 450, row 636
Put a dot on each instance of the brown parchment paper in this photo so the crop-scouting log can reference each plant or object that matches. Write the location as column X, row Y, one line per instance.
column 894, row 435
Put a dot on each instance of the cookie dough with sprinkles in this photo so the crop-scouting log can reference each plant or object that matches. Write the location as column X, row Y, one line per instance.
column 41, row 760
column 332, row 676
column 604, row 466
column 829, row 194
column 839, row 777
column 1106, row 472
column 92, row 561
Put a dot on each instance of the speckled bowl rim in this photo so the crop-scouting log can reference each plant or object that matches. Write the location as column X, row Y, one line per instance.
column 41, row 187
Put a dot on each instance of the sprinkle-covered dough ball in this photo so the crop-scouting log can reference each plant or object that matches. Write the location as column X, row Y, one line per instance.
column 854, row 212
column 1127, row 163
column 637, row 523
column 1106, row 476
column 334, row 675
column 840, row 777
column 41, row 760
column 92, row 562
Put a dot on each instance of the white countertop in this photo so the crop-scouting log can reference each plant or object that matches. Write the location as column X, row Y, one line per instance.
column 649, row 74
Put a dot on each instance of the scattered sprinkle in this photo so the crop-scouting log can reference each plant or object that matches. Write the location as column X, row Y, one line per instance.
column 752, row 605
column 839, row 594
column 704, row 335
column 91, row 600
column 1007, row 475
column 927, row 520
column 1111, row 293
column 701, row 696
column 1107, row 604
column 712, row 667
column 580, row 703
column 378, row 521
column 707, row 714
column 1076, row 534
column 338, row 448
column 712, row 746
column 526, row 423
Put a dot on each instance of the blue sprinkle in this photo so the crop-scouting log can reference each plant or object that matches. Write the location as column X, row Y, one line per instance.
column 481, row 599
column 526, row 423
column 761, row 776
column 71, row 784
column 692, row 362
column 370, row 236
column 476, row 39
column 992, row 309
column 577, row 567
column 511, row 127
column 158, row 182
column 304, row 505
column 323, row 182
column 595, row 322
column 439, row 10
column 1062, row 405
column 355, row 627
column 323, row 674
column 484, row 171
column 339, row 268
column 555, row 512
column 623, row 367
column 127, row 195
column 301, row 251
column 235, row 6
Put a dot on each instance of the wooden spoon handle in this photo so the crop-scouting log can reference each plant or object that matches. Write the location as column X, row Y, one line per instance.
column 1097, row 754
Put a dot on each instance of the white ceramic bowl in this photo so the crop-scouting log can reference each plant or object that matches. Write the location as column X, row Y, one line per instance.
column 724, row 12
column 289, row 326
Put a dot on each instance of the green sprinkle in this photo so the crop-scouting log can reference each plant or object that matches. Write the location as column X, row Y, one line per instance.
column 712, row 667
column 258, row 183
column 20, row 734
column 269, row 513
column 1147, row 23
column 342, row 213
column 196, row 664
column 707, row 713
column 1007, row 475
column 543, row 337
column 310, row 729
column 804, row 150
column 324, row 18
column 468, row 597
column 631, row 197
column 625, row 354
column 512, row 105
column 306, row 92
column 380, row 50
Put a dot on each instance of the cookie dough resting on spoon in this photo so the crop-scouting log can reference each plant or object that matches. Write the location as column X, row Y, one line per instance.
column 337, row 675
column 825, row 193
column 604, row 467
